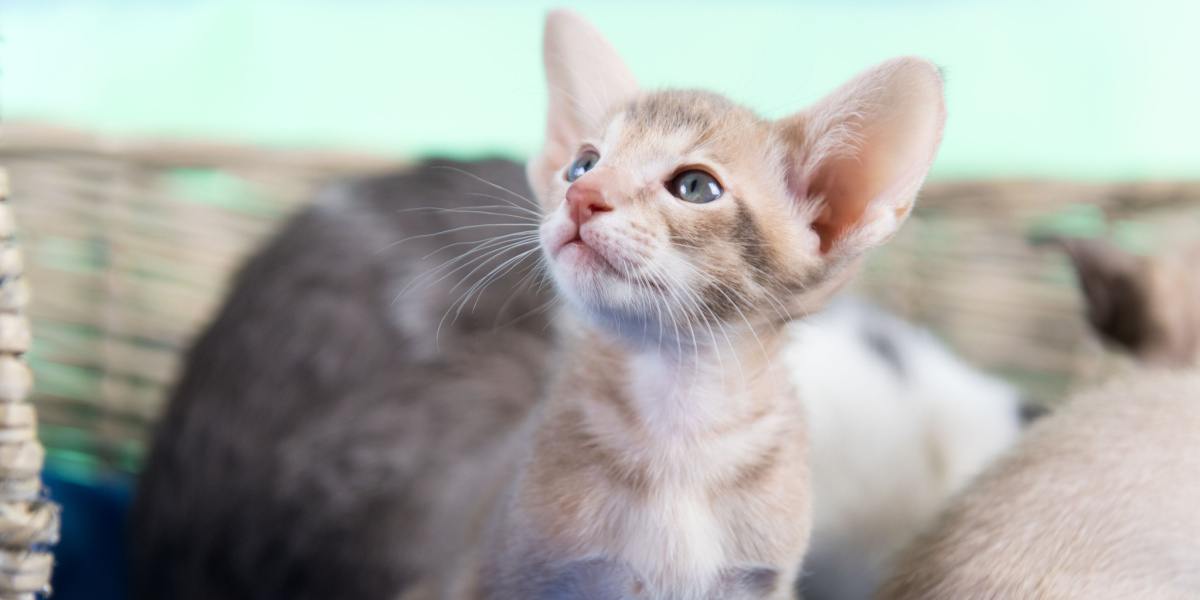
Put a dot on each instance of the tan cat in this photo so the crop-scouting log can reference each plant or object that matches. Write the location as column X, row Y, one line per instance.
column 668, row 458
column 1101, row 499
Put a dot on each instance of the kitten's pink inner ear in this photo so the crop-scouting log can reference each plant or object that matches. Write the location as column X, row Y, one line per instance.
column 865, row 149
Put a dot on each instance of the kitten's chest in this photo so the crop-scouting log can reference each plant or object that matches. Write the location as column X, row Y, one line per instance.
column 680, row 544
column 673, row 537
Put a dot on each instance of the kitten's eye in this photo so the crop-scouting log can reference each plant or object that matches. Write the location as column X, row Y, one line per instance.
column 583, row 164
column 695, row 186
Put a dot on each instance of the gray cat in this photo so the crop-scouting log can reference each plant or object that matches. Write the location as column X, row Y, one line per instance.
column 314, row 410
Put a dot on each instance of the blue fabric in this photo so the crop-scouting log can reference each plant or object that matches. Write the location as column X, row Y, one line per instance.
column 90, row 559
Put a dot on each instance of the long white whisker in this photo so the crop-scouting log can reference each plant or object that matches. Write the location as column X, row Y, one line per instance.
column 496, row 254
column 477, row 242
column 482, row 284
column 509, row 203
column 494, row 275
column 518, row 288
column 486, row 182
column 483, row 250
column 491, row 210
column 444, row 232
column 489, row 257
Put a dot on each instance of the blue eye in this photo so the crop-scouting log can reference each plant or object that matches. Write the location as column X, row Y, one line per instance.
column 695, row 186
column 587, row 159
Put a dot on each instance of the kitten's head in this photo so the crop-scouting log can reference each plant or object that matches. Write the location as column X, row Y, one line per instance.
column 668, row 210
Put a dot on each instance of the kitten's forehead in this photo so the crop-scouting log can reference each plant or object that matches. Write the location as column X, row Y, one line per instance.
column 687, row 120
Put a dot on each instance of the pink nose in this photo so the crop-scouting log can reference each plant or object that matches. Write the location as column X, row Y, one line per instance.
column 583, row 201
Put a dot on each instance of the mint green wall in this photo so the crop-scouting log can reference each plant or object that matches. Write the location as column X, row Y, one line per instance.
column 1073, row 88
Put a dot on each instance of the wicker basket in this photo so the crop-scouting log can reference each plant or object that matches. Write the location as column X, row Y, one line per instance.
column 130, row 245
column 29, row 523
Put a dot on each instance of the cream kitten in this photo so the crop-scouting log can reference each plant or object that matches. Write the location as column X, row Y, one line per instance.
column 668, row 458
column 1101, row 499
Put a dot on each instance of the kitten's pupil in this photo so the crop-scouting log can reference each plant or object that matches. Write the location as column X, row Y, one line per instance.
column 695, row 186
column 583, row 164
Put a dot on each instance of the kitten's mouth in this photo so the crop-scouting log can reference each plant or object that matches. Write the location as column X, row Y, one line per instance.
column 588, row 254
column 580, row 255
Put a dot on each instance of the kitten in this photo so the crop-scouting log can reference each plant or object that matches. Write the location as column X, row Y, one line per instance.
column 683, row 232
column 1099, row 500
column 890, row 448
column 666, row 457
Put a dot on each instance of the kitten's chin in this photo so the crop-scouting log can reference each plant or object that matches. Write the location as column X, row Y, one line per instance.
column 582, row 260
column 594, row 288
column 586, row 278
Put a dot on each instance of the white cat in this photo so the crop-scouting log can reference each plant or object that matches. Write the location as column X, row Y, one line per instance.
column 898, row 423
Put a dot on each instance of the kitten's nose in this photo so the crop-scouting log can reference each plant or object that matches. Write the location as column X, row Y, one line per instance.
column 583, row 201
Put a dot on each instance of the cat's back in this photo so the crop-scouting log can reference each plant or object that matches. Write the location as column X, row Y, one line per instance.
column 328, row 397
column 1098, row 501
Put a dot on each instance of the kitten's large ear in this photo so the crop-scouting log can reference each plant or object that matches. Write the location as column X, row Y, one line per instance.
column 586, row 78
column 864, row 151
column 1115, row 291
column 1147, row 305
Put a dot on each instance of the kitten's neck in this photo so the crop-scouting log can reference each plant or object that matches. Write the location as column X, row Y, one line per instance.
column 721, row 381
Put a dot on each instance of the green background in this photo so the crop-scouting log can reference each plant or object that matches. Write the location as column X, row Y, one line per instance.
column 1082, row 89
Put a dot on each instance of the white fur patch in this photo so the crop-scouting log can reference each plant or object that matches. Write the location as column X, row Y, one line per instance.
column 889, row 443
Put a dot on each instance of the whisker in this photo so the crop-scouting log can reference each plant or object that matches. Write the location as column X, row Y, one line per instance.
column 494, row 276
column 545, row 306
column 497, row 254
column 518, row 288
column 487, row 182
column 474, row 210
column 483, row 260
column 444, row 232
column 479, row 286
column 509, row 203
column 477, row 242
column 484, row 249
